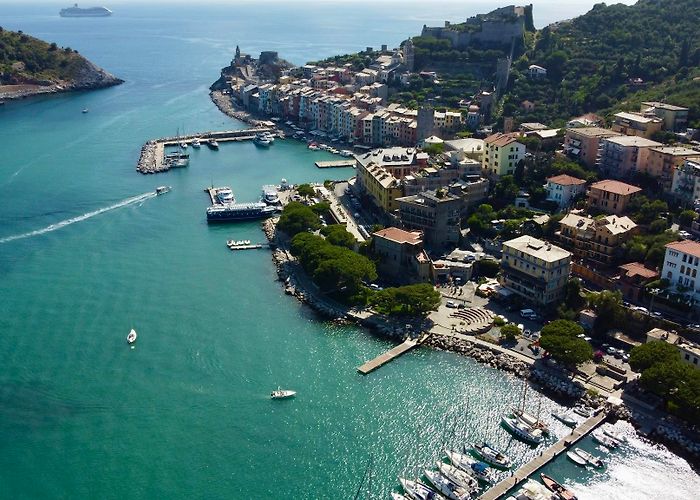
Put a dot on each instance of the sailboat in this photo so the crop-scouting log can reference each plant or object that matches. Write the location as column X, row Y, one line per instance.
column 532, row 421
column 131, row 338
column 180, row 159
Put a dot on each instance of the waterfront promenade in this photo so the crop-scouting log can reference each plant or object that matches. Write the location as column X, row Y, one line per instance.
column 557, row 449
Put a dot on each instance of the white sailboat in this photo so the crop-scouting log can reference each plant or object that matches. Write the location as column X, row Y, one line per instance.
column 523, row 431
column 448, row 488
column 526, row 418
column 131, row 338
column 282, row 394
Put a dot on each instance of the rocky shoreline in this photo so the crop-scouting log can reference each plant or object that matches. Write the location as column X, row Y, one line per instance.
column 225, row 105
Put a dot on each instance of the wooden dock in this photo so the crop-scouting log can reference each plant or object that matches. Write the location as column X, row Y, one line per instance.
column 252, row 246
column 383, row 359
column 557, row 449
column 348, row 162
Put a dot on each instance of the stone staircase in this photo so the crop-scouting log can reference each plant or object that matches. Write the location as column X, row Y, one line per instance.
column 477, row 320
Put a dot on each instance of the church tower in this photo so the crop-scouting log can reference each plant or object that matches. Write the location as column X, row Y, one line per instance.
column 409, row 54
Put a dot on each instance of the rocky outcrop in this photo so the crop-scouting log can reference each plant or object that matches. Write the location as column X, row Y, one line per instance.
column 480, row 353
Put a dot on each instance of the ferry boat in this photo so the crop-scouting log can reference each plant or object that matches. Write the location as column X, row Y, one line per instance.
column 76, row 11
column 239, row 211
column 270, row 195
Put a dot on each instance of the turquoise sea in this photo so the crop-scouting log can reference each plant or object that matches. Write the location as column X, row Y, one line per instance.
column 186, row 414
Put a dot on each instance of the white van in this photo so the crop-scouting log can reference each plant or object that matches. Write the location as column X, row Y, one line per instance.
column 527, row 313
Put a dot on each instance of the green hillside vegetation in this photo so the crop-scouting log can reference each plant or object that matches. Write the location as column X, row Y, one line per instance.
column 25, row 59
column 592, row 61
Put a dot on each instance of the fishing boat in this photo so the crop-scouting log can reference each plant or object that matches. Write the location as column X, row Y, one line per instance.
column 418, row 491
column 565, row 418
column 131, row 338
column 606, row 441
column 562, row 492
column 590, row 459
column 620, row 438
column 576, row 458
column 162, row 189
column 195, row 143
column 479, row 470
column 491, row 456
column 459, row 477
column 446, row 487
column 282, row 394
column 523, row 431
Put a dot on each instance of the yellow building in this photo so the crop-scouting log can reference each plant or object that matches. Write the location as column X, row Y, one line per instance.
column 502, row 152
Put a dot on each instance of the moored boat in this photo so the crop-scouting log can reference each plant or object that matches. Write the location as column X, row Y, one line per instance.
column 479, row 470
column 397, row 496
column 282, row 394
column 183, row 145
column 491, row 456
column 523, row 431
column 620, row 438
column 131, row 338
column 562, row 492
column 418, row 491
column 446, row 487
column 576, row 458
column 533, row 490
column 195, row 143
column 239, row 211
column 458, row 476
column 530, row 420
column 589, row 458
column 213, row 144
column 262, row 140
column 584, row 411
column 565, row 418
column 601, row 438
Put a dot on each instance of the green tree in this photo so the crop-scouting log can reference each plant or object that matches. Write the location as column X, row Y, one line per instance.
column 608, row 308
column 559, row 339
column 488, row 268
column 686, row 217
column 417, row 300
column 510, row 332
column 297, row 217
column 336, row 234
column 305, row 190
column 646, row 355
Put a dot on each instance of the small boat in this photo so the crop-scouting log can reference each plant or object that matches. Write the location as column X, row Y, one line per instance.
column 576, row 458
column 620, row 438
column 532, row 490
column 530, row 420
column 183, row 145
column 131, row 338
column 479, row 470
column 446, row 487
column 562, row 492
column 85, row 110
column 523, row 431
column 591, row 459
column 457, row 476
column 346, row 153
column 584, row 411
column 398, row 496
column 600, row 438
column 565, row 418
column 162, row 189
column 195, row 143
column 418, row 491
column 213, row 144
column 262, row 140
column 282, row 394
column 491, row 456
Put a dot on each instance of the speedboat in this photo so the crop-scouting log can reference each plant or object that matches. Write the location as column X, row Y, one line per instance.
column 162, row 189
column 523, row 431
column 530, row 420
column 195, row 143
column 183, row 144
column 213, row 144
column 446, row 487
column 479, row 470
column 565, row 418
column 262, row 140
column 282, row 394
column 620, row 438
column 131, row 338
column 562, row 492
column 606, row 441
column 590, row 459
column 457, row 476
column 418, row 491
column 491, row 456
column 85, row 110
column 576, row 458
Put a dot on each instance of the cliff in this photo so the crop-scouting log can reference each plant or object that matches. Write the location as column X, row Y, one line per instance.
column 29, row 66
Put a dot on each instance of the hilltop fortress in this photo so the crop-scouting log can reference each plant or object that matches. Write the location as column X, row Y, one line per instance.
column 497, row 28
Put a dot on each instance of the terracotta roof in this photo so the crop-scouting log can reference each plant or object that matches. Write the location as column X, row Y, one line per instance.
column 686, row 246
column 399, row 235
column 566, row 180
column 638, row 269
column 500, row 140
column 615, row 187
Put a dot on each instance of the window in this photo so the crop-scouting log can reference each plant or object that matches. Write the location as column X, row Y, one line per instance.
column 669, row 275
column 682, row 269
column 685, row 258
column 687, row 356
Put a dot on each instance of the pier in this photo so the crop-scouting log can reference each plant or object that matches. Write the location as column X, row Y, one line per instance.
column 557, row 449
column 391, row 354
column 153, row 152
column 349, row 162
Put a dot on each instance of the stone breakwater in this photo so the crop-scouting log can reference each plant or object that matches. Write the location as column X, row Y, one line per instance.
column 147, row 163
column 225, row 105
column 481, row 354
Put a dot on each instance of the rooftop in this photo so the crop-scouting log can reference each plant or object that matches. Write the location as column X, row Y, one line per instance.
column 676, row 151
column 538, row 248
column 388, row 157
column 594, row 132
column 615, row 187
column 467, row 145
column 638, row 269
column 566, row 180
column 399, row 236
column 686, row 246
column 633, row 140
column 634, row 117
column 500, row 140
column 663, row 105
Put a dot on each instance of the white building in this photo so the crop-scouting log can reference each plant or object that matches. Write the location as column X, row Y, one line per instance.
column 563, row 189
column 681, row 265
column 535, row 71
column 686, row 182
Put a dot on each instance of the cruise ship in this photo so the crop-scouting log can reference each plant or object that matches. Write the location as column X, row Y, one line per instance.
column 76, row 11
column 239, row 211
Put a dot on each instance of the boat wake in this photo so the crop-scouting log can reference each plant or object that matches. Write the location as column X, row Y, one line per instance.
column 73, row 220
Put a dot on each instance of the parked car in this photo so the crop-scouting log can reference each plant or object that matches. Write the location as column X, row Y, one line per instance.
column 611, row 351
column 451, row 303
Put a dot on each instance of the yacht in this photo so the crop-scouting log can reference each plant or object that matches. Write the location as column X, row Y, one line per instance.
column 606, row 441
column 85, row 110
column 213, row 144
column 418, row 491
column 131, row 338
column 224, row 195
column 459, row 477
column 523, row 431
column 479, row 470
column 565, row 418
column 282, row 394
column 491, row 456
column 561, row 491
column 262, row 140
column 270, row 195
column 195, row 143
column 162, row 189
column 590, row 459
column 446, row 487
column 530, row 420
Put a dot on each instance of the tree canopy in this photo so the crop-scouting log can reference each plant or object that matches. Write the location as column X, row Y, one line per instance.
column 418, row 299
column 336, row 234
column 296, row 218
column 559, row 338
column 646, row 355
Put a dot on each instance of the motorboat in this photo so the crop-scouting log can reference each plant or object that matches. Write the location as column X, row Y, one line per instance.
column 479, row 470
column 523, row 431
column 213, row 144
column 532, row 490
column 565, row 418
column 620, row 438
column 131, row 338
column 282, row 394
column 576, row 458
column 459, row 477
column 85, row 110
column 600, row 438
column 270, row 195
column 530, row 420
column 590, row 459
column 183, row 145
column 162, row 189
column 491, row 456
column 552, row 485
column 195, row 143
column 584, row 411
column 346, row 153
column 418, row 491
column 446, row 487
column 262, row 140
column 398, row 496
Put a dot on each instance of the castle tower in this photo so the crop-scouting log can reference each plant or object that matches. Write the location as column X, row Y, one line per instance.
column 409, row 54
column 238, row 54
column 425, row 122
